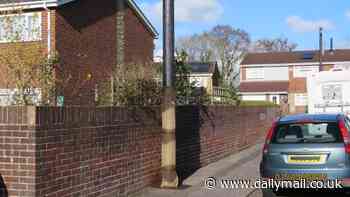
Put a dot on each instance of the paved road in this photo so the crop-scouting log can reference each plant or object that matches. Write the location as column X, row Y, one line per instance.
column 240, row 166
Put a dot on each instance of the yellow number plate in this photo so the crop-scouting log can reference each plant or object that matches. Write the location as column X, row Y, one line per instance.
column 306, row 159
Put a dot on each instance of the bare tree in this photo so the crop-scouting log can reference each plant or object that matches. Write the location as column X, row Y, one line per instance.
column 223, row 44
column 230, row 46
column 273, row 45
column 198, row 47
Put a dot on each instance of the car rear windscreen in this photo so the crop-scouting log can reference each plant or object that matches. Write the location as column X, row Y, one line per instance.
column 325, row 132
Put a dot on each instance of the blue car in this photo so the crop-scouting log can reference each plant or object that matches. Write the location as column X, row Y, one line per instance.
column 308, row 146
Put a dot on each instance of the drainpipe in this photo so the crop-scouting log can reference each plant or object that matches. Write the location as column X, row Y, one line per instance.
column 49, row 32
column 48, row 29
column 48, row 11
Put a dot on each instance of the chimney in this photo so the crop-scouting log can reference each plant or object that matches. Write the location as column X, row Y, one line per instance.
column 321, row 41
column 331, row 48
column 321, row 52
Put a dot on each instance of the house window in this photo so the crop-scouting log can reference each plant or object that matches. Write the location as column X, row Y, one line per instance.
column 8, row 96
column 197, row 81
column 255, row 73
column 4, row 97
column 332, row 93
column 274, row 99
column 342, row 67
column 20, row 27
column 304, row 71
column 301, row 99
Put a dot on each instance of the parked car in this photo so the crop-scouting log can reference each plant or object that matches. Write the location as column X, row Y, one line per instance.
column 309, row 147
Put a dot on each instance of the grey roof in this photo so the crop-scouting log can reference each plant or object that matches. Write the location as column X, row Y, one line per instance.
column 203, row 67
column 337, row 55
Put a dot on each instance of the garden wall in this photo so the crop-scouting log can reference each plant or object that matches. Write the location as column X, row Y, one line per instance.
column 111, row 151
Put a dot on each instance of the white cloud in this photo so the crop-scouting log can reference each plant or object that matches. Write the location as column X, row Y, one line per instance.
column 187, row 10
column 298, row 24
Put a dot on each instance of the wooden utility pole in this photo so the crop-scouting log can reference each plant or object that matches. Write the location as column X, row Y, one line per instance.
column 169, row 175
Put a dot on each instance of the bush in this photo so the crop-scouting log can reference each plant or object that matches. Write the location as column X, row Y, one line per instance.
column 185, row 89
column 130, row 84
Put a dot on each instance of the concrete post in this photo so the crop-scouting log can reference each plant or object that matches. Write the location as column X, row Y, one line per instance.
column 169, row 175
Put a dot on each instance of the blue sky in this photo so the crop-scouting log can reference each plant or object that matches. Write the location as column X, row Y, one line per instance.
column 297, row 20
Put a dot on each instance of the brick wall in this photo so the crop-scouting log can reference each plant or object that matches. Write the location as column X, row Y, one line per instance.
column 139, row 42
column 17, row 152
column 102, row 152
column 207, row 134
column 78, row 151
column 113, row 151
column 86, row 40
column 296, row 85
column 86, row 43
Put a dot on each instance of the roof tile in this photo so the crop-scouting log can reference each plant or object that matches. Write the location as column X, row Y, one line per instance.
column 278, row 86
column 295, row 57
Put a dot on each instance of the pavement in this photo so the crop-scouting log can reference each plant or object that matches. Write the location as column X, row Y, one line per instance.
column 243, row 165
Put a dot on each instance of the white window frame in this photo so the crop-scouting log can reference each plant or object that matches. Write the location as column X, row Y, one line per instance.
column 304, row 71
column 7, row 96
column 301, row 99
column 255, row 73
column 27, row 37
column 198, row 81
column 342, row 66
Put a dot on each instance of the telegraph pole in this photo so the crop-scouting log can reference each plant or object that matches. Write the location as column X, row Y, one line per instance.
column 169, row 175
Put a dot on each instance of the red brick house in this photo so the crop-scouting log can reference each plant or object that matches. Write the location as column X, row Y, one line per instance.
column 280, row 77
column 90, row 36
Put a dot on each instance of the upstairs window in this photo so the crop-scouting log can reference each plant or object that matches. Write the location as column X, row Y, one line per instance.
column 255, row 73
column 20, row 27
column 301, row 99
column 304, row 71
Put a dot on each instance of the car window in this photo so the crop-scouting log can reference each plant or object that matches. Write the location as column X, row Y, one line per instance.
column 307, row 133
